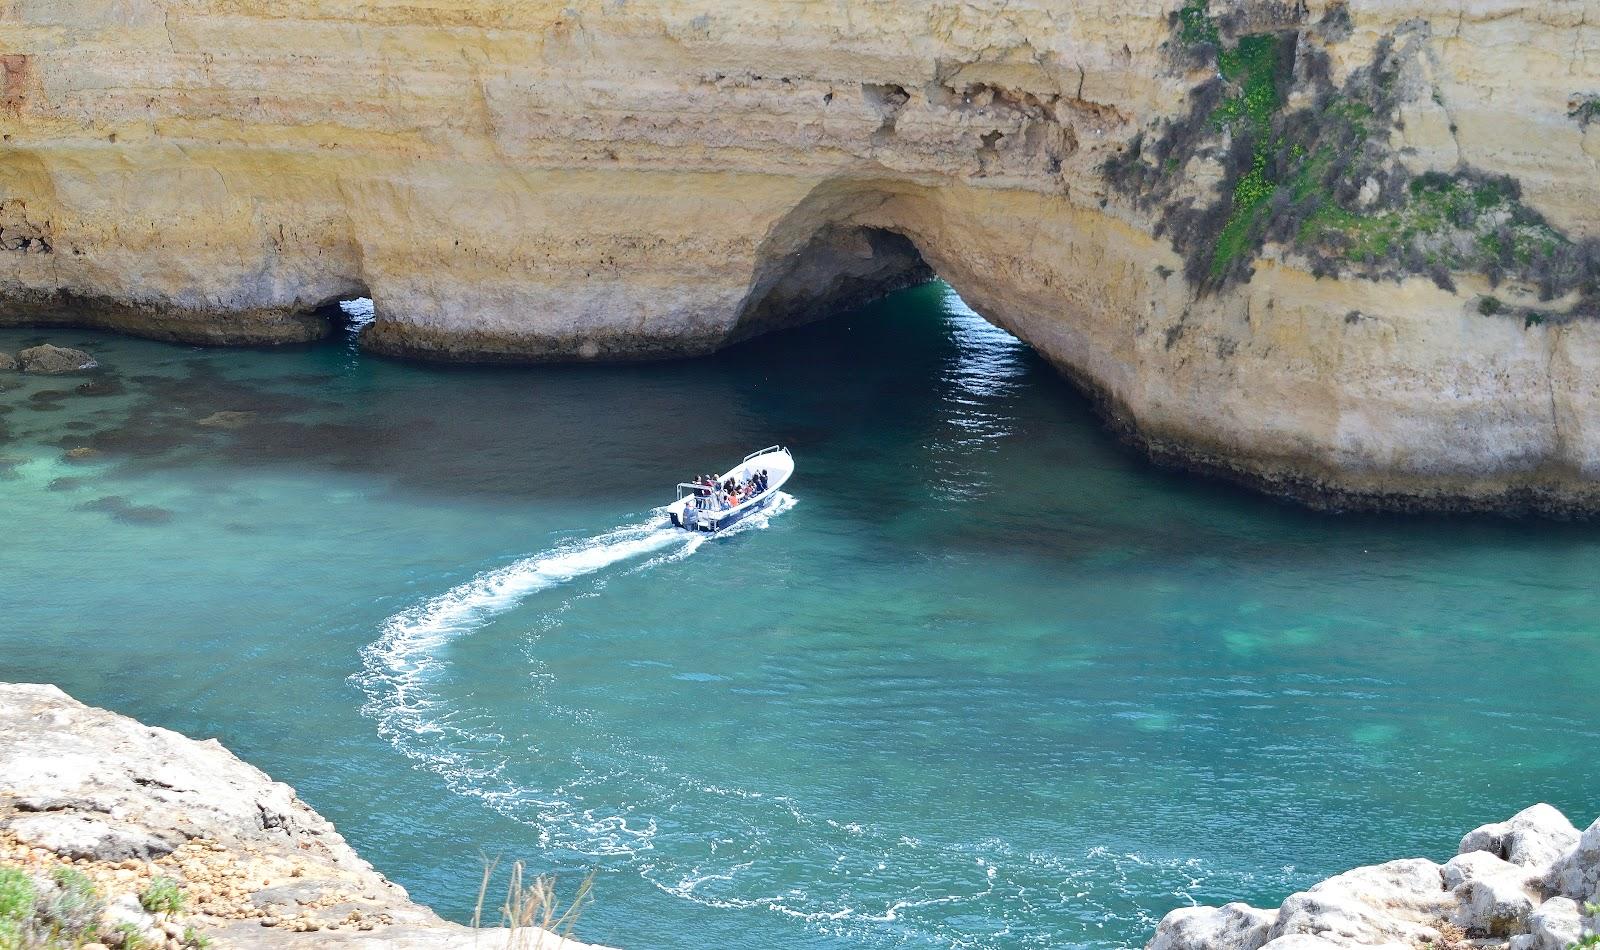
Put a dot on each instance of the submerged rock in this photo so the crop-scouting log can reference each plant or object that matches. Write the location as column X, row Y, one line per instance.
column 1499, row 892
column 48, row 360
column 226, row 419
column 104, row 386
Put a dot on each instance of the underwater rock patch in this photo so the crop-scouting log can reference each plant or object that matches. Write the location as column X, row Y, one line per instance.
column 226, row 419
column 121, row 509
column 101, row 386
column 49, row 360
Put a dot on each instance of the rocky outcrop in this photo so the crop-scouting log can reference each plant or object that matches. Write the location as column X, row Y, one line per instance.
column 1520, row 884
column 125, row 805
column 49, row 360
column 607, row 180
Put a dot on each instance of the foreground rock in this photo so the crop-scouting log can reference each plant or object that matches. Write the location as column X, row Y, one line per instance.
column 1520, row 884
column 606, row 180
column 48, row 360
column 7, row 362
column 126, row 804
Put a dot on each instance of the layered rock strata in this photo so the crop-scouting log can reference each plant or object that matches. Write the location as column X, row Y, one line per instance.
column 607, row 180
column 125, row 804
column 1528, row 883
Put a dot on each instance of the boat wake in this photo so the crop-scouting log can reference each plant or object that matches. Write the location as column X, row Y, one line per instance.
column 708, row 843
column 399, row 668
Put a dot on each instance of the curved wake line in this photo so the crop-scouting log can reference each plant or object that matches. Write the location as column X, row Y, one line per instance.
column 399, row 664
column 405, row 656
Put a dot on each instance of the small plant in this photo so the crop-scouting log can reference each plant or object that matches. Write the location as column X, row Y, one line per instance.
column 1590, row 938
column 1533, row 319
column 1489, row 306
column 196, row 939
column 18, row 896
column 161, row 896
column 1585, row 109
column 1196, row 25
column 132, row 939
column 74, row 906
column 11, row 934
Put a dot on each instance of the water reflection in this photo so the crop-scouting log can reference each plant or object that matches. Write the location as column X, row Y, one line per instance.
column 979, row 381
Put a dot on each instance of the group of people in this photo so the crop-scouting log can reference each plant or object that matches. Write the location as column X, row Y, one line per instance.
column 712, row 496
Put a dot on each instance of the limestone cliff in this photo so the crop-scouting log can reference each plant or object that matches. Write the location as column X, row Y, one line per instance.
column 1218, row 216
column 122, row 804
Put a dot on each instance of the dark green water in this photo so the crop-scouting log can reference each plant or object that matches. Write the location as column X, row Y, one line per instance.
column 988, row 681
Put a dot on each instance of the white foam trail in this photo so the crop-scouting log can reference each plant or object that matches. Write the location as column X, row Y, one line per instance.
column 400, row 662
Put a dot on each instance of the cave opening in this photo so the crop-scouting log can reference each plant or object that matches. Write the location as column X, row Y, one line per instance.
column 346, row 314
column 852, row 241
column 840, row 268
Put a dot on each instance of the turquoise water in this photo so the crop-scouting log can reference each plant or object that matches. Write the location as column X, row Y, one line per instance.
column 985, row 680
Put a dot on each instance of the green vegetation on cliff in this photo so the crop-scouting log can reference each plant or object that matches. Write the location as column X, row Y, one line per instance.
column 1322, row 180
column 1252, row 66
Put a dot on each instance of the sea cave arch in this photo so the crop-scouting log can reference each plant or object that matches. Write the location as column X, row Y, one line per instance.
column 1025, row 263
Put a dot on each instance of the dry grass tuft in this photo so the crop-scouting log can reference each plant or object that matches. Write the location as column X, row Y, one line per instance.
column 532, row 916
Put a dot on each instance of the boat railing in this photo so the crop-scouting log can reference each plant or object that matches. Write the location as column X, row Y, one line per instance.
column 770, row 448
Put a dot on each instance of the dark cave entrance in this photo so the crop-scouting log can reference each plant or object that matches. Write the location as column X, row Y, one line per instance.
column 840, row 268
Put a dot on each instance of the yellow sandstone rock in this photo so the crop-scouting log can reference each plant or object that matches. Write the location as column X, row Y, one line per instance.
column 592, row 179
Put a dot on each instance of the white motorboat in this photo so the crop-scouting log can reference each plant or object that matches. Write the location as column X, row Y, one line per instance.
column 703, row 508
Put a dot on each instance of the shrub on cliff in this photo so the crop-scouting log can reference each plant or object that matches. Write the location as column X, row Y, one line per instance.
column 1323, row 179
column 161, row 896
column 18, row 898
column 17, row 895
column 72, row 908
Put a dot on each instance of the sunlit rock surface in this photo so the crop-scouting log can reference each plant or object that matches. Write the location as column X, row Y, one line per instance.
column 609, row 180
column 126, row 803
column 1479, row 899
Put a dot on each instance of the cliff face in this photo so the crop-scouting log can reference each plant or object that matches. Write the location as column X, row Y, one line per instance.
column 124, row 804
column 1114, row 182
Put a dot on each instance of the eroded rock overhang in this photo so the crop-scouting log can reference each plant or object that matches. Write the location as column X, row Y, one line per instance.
column 1119, row 185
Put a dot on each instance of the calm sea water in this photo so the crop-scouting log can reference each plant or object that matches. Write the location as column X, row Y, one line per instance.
column 985, row 680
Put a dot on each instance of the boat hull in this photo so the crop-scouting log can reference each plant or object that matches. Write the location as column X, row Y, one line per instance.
column 778, row 464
